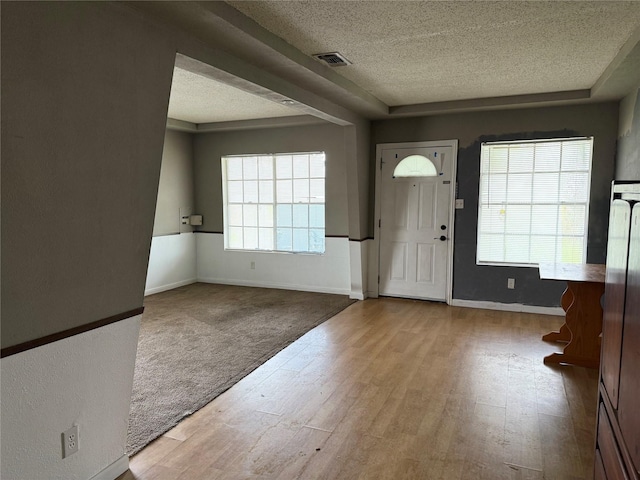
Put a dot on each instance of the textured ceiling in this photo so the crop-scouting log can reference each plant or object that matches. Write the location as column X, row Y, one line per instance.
column 431, row 51
column 198, row 99
column 409, row 57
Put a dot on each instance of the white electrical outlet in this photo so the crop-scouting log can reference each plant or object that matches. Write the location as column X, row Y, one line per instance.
column 253, row 265
column 70, row 442
column 511, row 283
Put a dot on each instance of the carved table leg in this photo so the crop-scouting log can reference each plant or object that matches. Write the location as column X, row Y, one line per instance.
column 564, row 334
column 584, row 321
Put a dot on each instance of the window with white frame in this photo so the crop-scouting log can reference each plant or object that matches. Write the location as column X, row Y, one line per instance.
column 534, row 202
column 274, row 202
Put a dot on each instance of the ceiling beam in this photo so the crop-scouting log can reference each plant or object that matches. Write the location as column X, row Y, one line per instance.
column 490, row 103
column 264, row 39
column 259, row 123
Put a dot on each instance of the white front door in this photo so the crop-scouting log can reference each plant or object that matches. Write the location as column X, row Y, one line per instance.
column 414, row 225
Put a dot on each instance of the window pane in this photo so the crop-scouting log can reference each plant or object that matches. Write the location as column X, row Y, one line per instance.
column 316, row 240
column 497, row 160
column 575, row 156
column 574, row 187
column 283, row 166
column 235, row 237
column 251, row 191
column 284, row 239
column 518, row 219
column 250, row 166
column 265, row 168
column 284, row 192
column 265, row 239
column 316, row 165
column 517, row 248
column 266, row 191
column 490, row 248
column 495, row 189
column 545, row 187
column 250, row 215
column 234, row 168
column 300, row 240
column 300, row 166
column 492, row 219
column 250, row 238
column 234, row 192
column 316, row 216
column 519, row 188
column 300, row 216
column 572, row 218
column 543, row 249
column 284, row 216
column 235, row 215
column 316, row 190
column 544, row 220
column 265, row 215
column 301, row 191
column 570, row 250
column 521, row 158
column 547, row 157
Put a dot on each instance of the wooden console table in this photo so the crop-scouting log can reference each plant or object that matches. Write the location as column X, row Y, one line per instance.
column 583, row 312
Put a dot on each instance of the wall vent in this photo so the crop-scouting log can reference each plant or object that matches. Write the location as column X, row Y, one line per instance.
column 333, row 59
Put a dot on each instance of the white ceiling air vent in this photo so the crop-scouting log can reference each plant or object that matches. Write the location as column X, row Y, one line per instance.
column 333, row 59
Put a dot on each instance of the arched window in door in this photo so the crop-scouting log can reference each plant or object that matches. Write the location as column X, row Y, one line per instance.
column 415, row 166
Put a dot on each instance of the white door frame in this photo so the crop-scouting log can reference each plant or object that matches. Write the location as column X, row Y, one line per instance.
column 375, row 263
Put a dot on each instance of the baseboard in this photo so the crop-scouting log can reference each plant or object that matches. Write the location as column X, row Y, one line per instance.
column 170, row 286
column 114, row 470
column 281, row 286
column 509, row 307
column 357, row 295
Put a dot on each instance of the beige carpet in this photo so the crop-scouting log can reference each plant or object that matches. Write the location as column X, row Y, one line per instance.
column 199, row 340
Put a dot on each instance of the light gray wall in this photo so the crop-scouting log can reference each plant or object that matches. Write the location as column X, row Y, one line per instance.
column 85, row 88
column 176, row 187
column 210, row 147
column 488, row 283
column 628, row 159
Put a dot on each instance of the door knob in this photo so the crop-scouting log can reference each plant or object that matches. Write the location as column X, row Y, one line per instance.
column 442, row 238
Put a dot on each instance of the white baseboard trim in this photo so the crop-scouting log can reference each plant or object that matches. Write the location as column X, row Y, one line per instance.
column 114, row 470
column 357, row 295
column 170, row 286
column 281, row 286
column 509, row 307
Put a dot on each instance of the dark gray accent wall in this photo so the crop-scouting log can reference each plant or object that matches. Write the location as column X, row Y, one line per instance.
column 628, row 160
column 489, row 283
column 209, row 148
column 176, row 187
column 85, row 88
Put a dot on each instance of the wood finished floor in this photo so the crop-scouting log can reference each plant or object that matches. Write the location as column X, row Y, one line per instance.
column 395, row 389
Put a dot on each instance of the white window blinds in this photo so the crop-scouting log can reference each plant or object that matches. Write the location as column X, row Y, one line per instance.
column 534, row 202
column 275, row 202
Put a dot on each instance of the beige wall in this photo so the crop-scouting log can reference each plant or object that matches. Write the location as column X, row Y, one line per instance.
column 176, row 187
column 85, row 88
column 628, row 159
column 210, row 147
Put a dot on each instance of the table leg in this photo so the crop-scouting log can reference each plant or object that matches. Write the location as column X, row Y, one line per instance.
column 564, row 334
column 584, row 321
